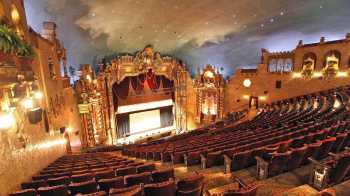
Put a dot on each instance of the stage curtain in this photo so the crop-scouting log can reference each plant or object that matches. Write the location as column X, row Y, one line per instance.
column 136, row 84
column 151, row 80
column 166, row 116
column 121, row 90
column 123, row 124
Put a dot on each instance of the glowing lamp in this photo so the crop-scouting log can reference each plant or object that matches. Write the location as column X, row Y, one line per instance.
column 296, row 75
column 247, row 83
column 27, row 103
column 246, row 96
column 342, row 74
column 69, row 129
column 38, row 95
column 7, row 120
column 263, row 98
column 209, row 74
column 317, row 74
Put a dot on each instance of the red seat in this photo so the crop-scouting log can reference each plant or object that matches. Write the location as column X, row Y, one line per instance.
column 60, row 190
column 25, row 192
column 136, row 179
column 167, row 188
column 162, row 175
column 136, row 190
column 107, row 184
column 83, row 187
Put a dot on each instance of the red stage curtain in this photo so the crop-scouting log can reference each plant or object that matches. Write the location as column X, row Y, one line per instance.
column 151, row 80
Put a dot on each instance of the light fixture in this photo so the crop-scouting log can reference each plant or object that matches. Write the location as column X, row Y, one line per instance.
column 317, row 74
column 38, row 95
column 7, row 120
column 247, row 83
column 246, row 96
column 27, row 103
column 88, row 77
column 296, row 75
column 69, row 129
column 342, row 74
column 262, row 98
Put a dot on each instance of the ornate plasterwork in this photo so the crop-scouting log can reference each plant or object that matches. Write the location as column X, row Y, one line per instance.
column 143, row 62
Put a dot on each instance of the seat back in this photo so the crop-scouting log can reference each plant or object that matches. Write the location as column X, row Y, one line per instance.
column 107, row 184
column 100, row 193
column 126, row 171
column 312, row 151
column 240, row 160
column 162, row 175
column 326, row 147
column 60, row 190
column 190, row 183
column 341, row 169
column 137, row 179
column 35, row 184
column 64, row 180
column 167, row 188
column 278, row 163
column 25, row 192
column 145, row 168
column 136, row 190
column 194, row 192
column 83, row 187
column 82, row 177
column 104, row 174
column 296, row 157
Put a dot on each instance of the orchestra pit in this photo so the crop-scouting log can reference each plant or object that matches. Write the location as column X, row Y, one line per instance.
column 174, row 98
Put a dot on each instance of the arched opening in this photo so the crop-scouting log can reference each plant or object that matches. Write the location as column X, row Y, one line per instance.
column 309, row 62
column 272, row 65
column 288, row 65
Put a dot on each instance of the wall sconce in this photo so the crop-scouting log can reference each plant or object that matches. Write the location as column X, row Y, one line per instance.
column 27, row 103
column 296, row 75
column 246, row 96
column 7, row 120
column 317, row 74
column 342, row 74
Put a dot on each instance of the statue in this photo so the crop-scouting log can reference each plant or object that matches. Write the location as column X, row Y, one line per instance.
column 308, row 67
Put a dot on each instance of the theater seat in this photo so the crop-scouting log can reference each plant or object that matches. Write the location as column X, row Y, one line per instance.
column 296, row 157
column 326, row 147
column 104, row 174
column 64, row 180
column 35, row 184
column 126, row 171
column 145, row 168
column 190, row 183
column 274, row 166
column 60, row 190
column 82, row 177
column 107, row 184
column 167, row 188
column 162, row 175
column 100, row 193
column 136, row 190
column 25, row 192
column 136, row 179
column 83, row 187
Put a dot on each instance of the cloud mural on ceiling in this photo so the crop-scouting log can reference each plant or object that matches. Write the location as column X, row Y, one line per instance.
column 225, row 33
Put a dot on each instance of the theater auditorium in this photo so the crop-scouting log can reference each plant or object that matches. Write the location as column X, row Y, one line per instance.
column 174, row 98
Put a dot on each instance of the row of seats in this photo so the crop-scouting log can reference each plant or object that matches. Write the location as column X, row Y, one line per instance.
column 288, row 131
column 107, row 174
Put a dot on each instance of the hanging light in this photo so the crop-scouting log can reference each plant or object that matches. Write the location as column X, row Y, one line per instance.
column 7, row 120
column 27, row 103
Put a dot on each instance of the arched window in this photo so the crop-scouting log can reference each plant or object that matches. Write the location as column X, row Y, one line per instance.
column 309, row 61
column 272, row 65
column 332, row 60
column 288, row 65
column 280, row 65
